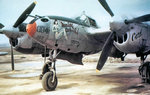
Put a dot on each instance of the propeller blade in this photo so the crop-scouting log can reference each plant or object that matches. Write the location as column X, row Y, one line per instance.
column 105, row 51
column 107, row 8
column 143, row 18
column 12, row 57
column 1, row 25
column 24, row 15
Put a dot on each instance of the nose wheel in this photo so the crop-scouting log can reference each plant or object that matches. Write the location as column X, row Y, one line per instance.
column 49, row 78
column 49, row 82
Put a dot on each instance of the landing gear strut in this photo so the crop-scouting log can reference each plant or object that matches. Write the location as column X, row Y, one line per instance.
column 144, row 70
column 49, row 78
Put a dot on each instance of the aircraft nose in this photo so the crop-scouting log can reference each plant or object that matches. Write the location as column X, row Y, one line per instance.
column 31, row 29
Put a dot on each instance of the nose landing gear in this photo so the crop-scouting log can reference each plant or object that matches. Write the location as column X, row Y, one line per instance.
column 49, row 78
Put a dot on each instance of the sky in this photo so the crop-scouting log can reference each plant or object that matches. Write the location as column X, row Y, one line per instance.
column 10, row 10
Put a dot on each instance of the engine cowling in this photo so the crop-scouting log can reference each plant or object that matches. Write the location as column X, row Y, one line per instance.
column 133, row 40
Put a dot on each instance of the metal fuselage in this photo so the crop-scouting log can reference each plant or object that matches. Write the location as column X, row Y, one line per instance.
column 65, row 34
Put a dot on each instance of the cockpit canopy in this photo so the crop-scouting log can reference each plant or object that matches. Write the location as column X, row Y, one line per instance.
column 87, row 20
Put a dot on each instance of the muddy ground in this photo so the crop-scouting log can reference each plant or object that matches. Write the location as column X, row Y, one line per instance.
column 116, row 78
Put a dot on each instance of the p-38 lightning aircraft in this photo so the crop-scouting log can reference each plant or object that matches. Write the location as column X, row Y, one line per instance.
column 59, row 38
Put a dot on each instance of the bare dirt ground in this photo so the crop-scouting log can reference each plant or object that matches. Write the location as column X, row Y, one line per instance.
column 116, row 78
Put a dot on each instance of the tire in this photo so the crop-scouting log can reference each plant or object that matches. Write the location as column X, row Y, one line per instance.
column 47, row 82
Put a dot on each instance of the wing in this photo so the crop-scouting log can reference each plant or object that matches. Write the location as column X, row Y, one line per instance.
column 101, row 37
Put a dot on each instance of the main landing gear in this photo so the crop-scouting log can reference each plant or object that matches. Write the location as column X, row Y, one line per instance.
column 48, row 76
column 144, row 70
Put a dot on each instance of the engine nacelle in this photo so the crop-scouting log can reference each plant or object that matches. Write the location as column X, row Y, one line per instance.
column 26, row 45
column 133, row 40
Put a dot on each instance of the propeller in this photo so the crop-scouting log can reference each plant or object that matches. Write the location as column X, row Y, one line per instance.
column 107, row 8
column 24, row 15
column 12, row 56
column 143, row 18
column 105, row 51
column 19, row 21
column 109, row 42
